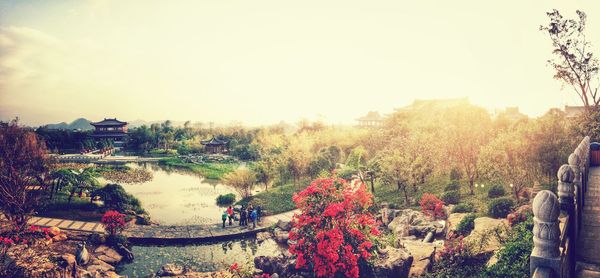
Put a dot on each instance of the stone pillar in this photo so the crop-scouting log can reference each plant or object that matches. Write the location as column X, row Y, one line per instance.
column 566, row 188
column 546, row 233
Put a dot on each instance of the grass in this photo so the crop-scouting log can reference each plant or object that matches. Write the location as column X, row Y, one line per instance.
column 78, row 209
column 276, row 200
column 210, row 170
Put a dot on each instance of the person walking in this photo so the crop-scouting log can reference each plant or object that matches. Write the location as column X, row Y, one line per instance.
column 253, row 217
column 230, row 215
column 258, row 213
column 224, row 218
column 243, row 217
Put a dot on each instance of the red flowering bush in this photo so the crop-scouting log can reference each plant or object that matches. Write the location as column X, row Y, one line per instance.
column 335, row 231
column 432, row 206
column 516, row 218
column 245, row 271
column 113, row 222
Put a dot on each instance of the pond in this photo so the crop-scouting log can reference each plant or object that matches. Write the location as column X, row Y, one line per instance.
column 201, row 258
column 178, row 197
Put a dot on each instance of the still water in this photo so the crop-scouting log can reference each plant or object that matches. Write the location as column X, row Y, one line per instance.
column 201, row 258
column 178, row 197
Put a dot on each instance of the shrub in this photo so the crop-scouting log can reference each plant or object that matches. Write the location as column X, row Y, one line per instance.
column 513, row 256
column 452, row 187
column 226, row 199
column 466, row 225
column 432, row 206
column 463, row 207
column 500, row 207
column 113, row 222
column 496, row 191
column 335, row 232
column 116, row 198
column 451, row 197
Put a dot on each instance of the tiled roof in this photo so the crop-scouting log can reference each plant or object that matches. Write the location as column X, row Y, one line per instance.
column 109, row 122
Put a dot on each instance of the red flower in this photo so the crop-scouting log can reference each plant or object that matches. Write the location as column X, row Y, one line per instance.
column 234, row 267
column 113, row 222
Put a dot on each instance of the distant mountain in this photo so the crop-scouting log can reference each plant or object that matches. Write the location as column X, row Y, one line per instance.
column 79, row 124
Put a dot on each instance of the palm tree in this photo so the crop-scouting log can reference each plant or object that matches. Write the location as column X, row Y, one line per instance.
column 85, row 180
column 60, row 179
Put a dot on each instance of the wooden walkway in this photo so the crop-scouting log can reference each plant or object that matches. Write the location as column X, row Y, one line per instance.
column 588, row 245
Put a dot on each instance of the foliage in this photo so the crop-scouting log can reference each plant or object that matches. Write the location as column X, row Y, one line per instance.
column 432, row 206
column 517, row 217
column 116, row 198
column 454, row 186
column 500, row 207
column 274, row 201
column 226, row 199
column 496, row 191
column 242, row 180
column 466, row 225
column 513, row 256
column 451, row 197
column 463, row 207
column 210, row 170
column 456, row 259
column 23, row 163
column 113, row 222
column 573, row 62
column 335, row 231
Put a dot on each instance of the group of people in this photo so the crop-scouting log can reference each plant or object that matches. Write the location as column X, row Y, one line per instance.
column 247, row 214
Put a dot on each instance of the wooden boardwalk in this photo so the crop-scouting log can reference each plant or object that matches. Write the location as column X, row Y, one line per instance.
column 588, row 245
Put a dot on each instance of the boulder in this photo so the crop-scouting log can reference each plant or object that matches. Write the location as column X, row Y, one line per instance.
column 125, row 252
column 170, row 270
column 99, row 265
column 484, row 227
column 284, row 225
column 393, row 262
column 280, row 235
column 54, row 231
column 108, row 254
column 59, row 237
column 411, row 222
column 262, row 236
column 422, row 254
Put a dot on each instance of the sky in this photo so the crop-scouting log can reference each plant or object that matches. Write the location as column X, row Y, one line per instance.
column 262, row 62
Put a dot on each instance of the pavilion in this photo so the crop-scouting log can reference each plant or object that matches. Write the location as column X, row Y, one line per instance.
column 372, row 119
column 110, row 129
column 215, row 145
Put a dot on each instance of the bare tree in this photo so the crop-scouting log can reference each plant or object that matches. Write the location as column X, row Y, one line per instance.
column 574, row 62
column 23, row 173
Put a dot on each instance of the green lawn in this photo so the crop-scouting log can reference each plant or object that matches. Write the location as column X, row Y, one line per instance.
column 210, row 170
column 276, row 200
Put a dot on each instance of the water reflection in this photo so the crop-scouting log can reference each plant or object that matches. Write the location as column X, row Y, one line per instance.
column 202, row 258
column 178, row 196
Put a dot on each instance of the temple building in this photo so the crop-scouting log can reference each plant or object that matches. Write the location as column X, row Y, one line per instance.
column 372, row 119
column 110, row 129
column 215, row 145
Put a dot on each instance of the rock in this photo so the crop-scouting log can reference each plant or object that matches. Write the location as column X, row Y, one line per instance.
column 54, row 231
column 284, row 225
column 262, row 236
column 98, row 239
column 170, row 270
column 125, row 252
column 108, row 254
column 274, row 275
column 99, row 265
column 454, row 219
column 281, row 236
column 283, row 265
column 410, row 222
column 393, row 262
column 484, row 227
column 59, row 237
column 422, row 253
column 68, row 260
column 82, row 255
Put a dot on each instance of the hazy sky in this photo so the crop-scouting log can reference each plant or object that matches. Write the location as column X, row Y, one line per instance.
column 260, row 62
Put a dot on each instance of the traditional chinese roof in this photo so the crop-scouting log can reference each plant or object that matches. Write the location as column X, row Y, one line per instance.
column 213, row 142
column 111, row 134
column 371, row 116
column 109, row 122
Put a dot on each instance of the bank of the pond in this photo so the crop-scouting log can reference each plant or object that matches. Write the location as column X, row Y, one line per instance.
column 201, row 257
column 276, row 200
column 209, row 170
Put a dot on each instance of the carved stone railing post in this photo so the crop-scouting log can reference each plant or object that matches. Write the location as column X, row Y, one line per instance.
column 546, row 233
column 566, row 188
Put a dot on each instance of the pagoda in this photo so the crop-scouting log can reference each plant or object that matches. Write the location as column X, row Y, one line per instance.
column 215, row 145
column 110, row 129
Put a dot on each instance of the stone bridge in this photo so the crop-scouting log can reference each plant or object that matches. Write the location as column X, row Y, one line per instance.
column 566, row 232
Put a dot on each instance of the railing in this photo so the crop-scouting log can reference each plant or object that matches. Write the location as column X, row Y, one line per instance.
column 553, row 253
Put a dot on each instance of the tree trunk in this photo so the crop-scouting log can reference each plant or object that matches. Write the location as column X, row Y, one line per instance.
column 372, row 184
column 471, row 182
